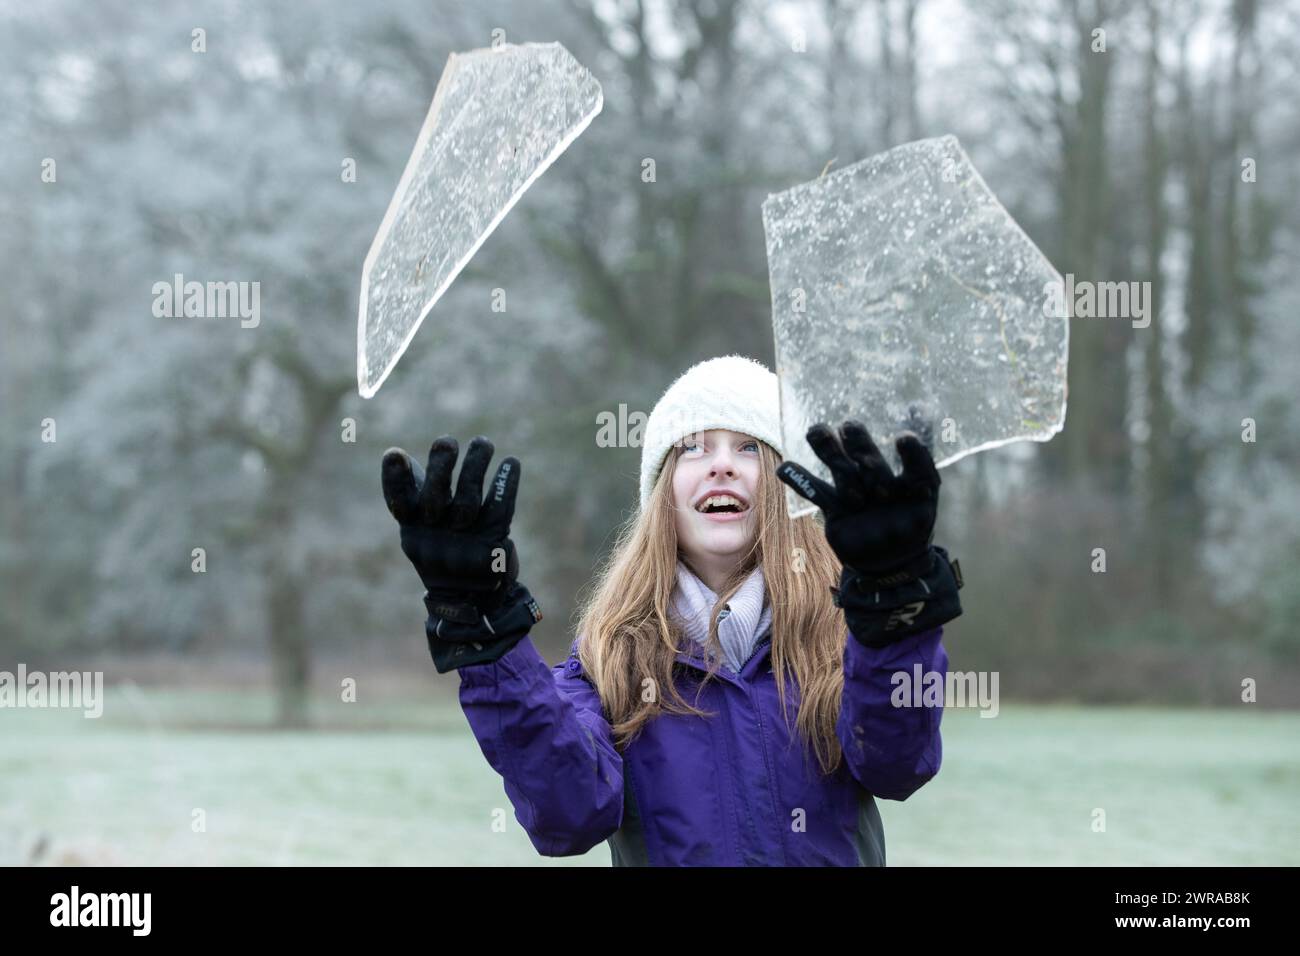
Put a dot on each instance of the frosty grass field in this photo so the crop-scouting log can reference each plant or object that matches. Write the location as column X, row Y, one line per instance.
column 1177, row 787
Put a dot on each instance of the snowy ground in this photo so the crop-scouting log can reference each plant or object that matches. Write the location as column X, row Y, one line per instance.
column 1177, row 787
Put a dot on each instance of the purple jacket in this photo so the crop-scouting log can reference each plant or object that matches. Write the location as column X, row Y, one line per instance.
column 729, row 790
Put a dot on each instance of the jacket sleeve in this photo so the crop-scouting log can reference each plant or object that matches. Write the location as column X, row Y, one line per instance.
column 892, row 750
column 543, row 729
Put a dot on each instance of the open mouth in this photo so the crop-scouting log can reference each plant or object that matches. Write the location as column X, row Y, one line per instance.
column 723, row 507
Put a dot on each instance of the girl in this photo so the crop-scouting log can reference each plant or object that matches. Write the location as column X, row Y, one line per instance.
column 714, row 708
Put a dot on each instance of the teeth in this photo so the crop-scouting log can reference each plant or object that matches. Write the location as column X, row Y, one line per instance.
column 720, row 500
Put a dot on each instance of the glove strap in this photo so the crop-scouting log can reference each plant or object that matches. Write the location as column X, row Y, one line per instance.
column 879, row 616
column 460, row 634
column 905, row 573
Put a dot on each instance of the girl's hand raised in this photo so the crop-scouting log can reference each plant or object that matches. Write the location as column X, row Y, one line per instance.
column 879, row 524
column 461, row 548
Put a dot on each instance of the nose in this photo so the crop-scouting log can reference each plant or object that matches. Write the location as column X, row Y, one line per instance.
column 723, row 463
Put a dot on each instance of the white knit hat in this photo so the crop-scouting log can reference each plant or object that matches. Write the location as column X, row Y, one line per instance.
column 731, row 392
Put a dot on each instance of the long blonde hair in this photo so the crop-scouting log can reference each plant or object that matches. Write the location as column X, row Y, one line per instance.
column 628, row 635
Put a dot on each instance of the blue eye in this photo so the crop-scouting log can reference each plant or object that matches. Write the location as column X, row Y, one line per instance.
column 687, row 445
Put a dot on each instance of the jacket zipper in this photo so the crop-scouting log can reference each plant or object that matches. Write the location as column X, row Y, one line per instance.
column 767, row 769
column 754, row 653
column 762, row 735
column 762, row 740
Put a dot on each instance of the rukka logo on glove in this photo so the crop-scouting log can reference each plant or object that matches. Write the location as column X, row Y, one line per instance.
column 797, row 480
column 499, row 485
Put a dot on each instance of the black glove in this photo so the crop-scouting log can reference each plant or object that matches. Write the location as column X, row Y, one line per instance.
column 462, row 550
column 878, row 523
column 881, row 526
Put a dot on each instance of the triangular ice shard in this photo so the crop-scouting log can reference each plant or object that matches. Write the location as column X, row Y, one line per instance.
column 500, row 117
column 903, row 292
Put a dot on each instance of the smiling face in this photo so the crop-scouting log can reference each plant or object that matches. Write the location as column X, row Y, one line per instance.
column 713, row 535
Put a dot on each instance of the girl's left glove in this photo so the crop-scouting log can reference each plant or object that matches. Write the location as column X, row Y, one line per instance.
column 881, row 525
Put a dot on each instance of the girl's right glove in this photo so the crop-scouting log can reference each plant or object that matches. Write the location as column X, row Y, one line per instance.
column 895, row 582
column 461, row 549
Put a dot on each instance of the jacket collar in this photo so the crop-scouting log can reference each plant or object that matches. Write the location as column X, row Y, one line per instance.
column 762, row 651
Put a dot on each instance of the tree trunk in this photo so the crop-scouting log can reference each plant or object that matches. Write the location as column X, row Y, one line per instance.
column 291, row 660
column 911, row 112
column 1159, row 492
column 1241, row 104
column 1094, row 448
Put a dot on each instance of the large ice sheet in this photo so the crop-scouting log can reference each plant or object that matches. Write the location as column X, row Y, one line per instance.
column 902, row 291
column 500, row 116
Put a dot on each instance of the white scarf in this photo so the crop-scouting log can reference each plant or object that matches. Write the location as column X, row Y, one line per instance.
column 744, row 621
